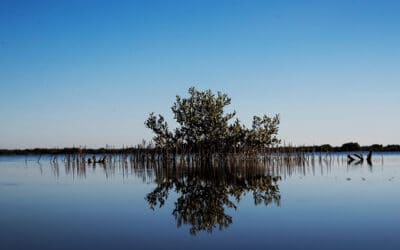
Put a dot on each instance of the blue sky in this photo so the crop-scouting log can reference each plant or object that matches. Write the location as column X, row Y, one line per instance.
column 89, row 72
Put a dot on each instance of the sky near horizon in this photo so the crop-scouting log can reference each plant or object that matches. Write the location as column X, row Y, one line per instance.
column 89, row 72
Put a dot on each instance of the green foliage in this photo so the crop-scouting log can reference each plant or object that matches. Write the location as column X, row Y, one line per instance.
column 203, row 125
column 202, row 119
column 263, row 132
column 160, row 127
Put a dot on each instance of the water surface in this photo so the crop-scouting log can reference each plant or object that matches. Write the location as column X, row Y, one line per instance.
column 326, row 205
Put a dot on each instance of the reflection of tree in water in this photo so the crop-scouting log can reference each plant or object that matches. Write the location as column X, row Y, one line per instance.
column 205, row 193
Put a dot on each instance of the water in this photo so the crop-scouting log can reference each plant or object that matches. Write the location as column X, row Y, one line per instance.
column 325, row 206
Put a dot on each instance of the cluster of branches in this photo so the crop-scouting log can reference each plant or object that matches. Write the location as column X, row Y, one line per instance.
column 204, row 126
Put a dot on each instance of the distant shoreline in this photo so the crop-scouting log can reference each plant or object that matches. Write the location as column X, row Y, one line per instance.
column 347, row 147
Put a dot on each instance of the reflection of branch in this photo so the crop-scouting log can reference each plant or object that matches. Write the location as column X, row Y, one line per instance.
column 204, row 193
column 160, row 194
column 358, row 159
column 202, row 206
column 369, row 158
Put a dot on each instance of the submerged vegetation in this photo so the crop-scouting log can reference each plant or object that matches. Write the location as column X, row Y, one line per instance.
column 202, row 198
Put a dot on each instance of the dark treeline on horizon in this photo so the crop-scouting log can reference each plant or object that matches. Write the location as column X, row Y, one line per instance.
column 347, row 147
column 206, row 129
column 350, row 146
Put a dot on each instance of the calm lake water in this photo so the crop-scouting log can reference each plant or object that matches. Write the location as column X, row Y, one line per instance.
column 328, row 205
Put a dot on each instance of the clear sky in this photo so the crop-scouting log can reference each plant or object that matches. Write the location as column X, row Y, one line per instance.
column 89, row 72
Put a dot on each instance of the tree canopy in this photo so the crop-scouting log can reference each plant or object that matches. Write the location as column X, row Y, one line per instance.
column 203, row 124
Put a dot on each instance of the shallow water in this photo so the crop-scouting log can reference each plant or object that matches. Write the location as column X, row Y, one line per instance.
column 326, row 206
